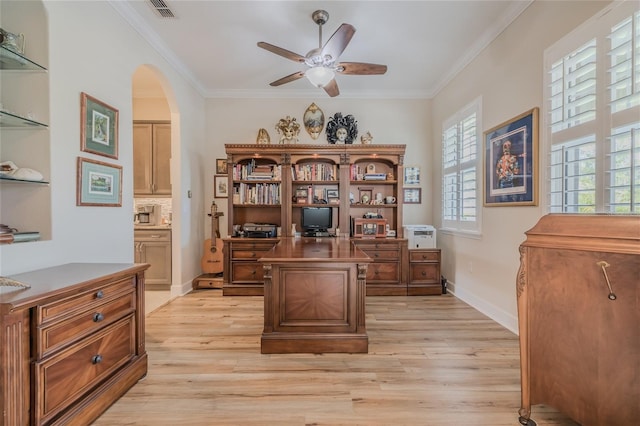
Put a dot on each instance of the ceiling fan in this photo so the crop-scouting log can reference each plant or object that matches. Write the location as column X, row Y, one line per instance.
column 322, row 62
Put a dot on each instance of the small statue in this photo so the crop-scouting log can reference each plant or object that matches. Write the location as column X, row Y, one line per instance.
column 289, row 129
column 366, row 138
column 263, row 137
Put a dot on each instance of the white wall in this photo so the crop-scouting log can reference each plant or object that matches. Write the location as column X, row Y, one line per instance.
column 92, row 49
column 508, row 75
column 389, row 121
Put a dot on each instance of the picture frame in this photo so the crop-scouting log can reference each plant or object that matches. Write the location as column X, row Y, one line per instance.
column 412, row 175
column 98, row 127
column 333, row 193
column 365, row 195
column 98, row 183
column 412, row 196
column 511, row 162
column 220, row 186
column 221, row 166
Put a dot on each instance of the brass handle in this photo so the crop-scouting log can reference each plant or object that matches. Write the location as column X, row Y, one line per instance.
column 605, row 265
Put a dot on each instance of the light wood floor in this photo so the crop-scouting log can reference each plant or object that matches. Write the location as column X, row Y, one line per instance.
column 432, row 361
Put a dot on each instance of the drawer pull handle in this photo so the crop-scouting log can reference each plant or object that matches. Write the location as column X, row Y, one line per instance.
column 376, row 255
column 96, row 359
column 253, row 272
column 98, row 316
column 604, row 265
column 424, row 257
column 253, row 255
column 424, row 273
column 99, row 294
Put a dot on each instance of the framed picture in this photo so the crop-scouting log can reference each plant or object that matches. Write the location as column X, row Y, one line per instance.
column 412, row 175
column 99, row 184
column 412, row 196
column 221, row 166
column 511, row 162
column 98, row 127
column 365, row 195
column 333, row 193
column 220, row 186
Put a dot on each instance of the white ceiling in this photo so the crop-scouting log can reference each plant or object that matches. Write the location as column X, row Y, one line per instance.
column 423, row 43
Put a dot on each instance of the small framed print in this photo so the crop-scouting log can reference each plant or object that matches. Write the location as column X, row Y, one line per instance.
column 412, row 175
column 412, row 195
column 99, row 184
column 221, row 166
column 333, row 193
column 366, row 195
column 98, row 127
column 220, row 186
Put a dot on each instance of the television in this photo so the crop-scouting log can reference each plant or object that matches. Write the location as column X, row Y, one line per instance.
column 316, row 219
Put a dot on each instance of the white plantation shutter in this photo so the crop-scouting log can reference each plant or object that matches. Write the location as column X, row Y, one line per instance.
column 593, row 111
column 460, row 139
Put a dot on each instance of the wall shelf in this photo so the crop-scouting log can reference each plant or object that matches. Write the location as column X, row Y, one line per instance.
column 10, row 60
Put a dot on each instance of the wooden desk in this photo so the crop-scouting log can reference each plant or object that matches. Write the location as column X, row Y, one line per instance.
column 314, row 297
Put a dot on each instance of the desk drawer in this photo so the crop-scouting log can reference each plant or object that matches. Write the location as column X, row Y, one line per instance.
column 383, row 272
column 73, row 304
column 250, row 250
column 70, row 329
column 66, row 377
column 424, row 272
column 383, row 254
column 247, row 272
column 152, row 235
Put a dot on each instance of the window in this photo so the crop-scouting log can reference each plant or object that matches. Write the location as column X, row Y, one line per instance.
column 593, row 115
column 460, row 166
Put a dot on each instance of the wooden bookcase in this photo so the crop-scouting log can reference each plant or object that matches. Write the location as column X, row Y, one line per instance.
column 272, row 183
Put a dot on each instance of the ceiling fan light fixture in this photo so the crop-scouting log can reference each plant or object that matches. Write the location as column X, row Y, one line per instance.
column 319, row 76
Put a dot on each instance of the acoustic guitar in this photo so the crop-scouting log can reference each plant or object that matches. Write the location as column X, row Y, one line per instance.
column 212, row 259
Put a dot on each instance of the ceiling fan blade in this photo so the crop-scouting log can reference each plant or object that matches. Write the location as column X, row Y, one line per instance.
column 332, row 88
column 282, row 52
column 338, row 41
column 288, row 79
column 361, row 68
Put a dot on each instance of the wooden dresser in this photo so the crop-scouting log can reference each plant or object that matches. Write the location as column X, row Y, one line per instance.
column 578, row 291
column 72, row 343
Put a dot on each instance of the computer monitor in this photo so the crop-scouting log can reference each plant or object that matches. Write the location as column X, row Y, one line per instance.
column 316, row 219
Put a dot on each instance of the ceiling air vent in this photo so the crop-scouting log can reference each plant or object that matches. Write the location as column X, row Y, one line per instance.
column 162, row 8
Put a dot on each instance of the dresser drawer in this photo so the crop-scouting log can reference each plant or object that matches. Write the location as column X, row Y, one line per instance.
column 382, row 254
column 424, row 272
column 87, row 300
column 247, row 272
column 383, row 272
column 424, row 256
column 66, row 377
column 379, row 245
column 61, row 333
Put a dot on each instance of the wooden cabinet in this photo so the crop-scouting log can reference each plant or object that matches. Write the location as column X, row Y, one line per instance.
column 72, row 343
column 274, row 183
column 578, row 310
column 151, row 158
column 386, row 275
column 24, row 114
column 153, row 246
column 424, row 272
column 243, row 275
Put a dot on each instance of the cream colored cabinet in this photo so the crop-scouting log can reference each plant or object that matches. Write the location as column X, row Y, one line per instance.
column 153, row 246
column 151, row 158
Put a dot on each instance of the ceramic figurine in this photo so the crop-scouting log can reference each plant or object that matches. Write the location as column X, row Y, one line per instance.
column 263, row 137
column 313, row 120
column 289, row 129
column 342, row 130
column 366, row 139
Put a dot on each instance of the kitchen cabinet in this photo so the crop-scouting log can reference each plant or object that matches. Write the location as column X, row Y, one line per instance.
column 153, row 246
column 72, row 343
column 151, row 159
column 24, row 112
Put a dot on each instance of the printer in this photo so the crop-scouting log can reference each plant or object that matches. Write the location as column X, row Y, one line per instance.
column 420, row 236
column 260, row 230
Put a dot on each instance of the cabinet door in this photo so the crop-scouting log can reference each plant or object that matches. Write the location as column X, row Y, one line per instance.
column 161, row 159
column 142, row 158
column 158, row 255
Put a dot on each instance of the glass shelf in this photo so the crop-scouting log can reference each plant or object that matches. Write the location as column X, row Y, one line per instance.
column 10, row 60
column 8, row 180
column 8, row 119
